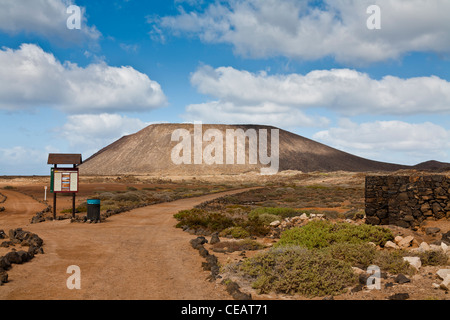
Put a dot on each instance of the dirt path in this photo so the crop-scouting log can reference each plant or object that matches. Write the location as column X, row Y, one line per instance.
column 133, row 255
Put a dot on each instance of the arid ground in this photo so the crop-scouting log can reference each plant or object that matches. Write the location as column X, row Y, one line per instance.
column 140, row 254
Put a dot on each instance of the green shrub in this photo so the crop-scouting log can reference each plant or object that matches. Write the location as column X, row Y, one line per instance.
column 432, row 258
column 198, row 218
column 357, row 254
column 294, row 270
column 280, row 212
column 9, row 187
column 240, row 245
column 320, row 234
column 392, row 262
column 235, row 232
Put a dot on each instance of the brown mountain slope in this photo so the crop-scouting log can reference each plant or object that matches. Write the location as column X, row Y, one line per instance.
column 149, row 152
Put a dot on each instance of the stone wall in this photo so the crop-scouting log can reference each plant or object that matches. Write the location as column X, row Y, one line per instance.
column 406, row 201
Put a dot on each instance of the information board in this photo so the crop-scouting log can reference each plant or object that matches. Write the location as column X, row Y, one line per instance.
column 64, row 180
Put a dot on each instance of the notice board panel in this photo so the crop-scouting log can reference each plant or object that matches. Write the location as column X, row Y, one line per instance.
column 64, row 180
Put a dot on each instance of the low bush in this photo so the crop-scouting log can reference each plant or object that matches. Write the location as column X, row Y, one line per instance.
column 320, row 234
column 240, row 245
column 198, row 218
column 296, row 269
column 235, row 232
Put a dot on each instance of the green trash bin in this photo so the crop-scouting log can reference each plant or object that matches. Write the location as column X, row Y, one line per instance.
column 93, row 209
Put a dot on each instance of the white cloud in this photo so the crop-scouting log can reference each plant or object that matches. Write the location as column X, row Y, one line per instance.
column 47, row 18
column 227, row 112
column 337, row 29
column 345, row 91
column 30, row 77
column 394, row 141
column 22, row 160
column 89, row 133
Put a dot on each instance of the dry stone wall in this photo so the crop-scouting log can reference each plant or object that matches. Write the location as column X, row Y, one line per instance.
column 406, row 201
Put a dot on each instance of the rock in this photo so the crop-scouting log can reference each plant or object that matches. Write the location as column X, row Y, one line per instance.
column 275, row 223
column 390, row 245
column 446, row 238
column 401, row 278
column 13, row 257
column 445, row 284
column 2, row 234
column 358, row 271
column 424, row 247
column 214, row 238
column 304, row 216
column 435, row 285
column 432, row 230
column 397, row 239
column 443, row 273
column 399, row 296
column 406, row 242
column 445, row 247
column 414, row 261
column 3, row 277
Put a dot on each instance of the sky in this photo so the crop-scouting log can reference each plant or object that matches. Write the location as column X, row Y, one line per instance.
column 369, row 77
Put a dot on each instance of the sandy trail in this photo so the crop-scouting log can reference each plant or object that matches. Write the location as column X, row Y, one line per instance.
column 133, row 255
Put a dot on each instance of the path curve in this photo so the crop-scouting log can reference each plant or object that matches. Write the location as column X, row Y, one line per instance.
column 134, row 255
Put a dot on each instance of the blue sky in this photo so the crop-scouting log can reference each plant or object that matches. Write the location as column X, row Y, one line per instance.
column 310, row 67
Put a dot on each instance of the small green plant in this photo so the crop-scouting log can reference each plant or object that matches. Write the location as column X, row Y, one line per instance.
column 296, row 269
column 9, row 187
column 240, row 245
column 198, row 218
column 235, row 232
column 320, row 234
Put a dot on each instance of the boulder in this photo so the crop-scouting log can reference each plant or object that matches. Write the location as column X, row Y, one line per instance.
column 406, row 242
column 401, row 278
column 390, row 245
column 414, row 262
column 214, row 238
column 432, row 230
column 399, row 296
column 443, row 273
column 445, row 284
column 446, row 238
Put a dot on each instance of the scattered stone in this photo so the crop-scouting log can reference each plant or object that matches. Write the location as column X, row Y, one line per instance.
column 443, row 273
column 275, row 223
column 435, row 285
column 397, row 239
column 424, row 247
column 215, row 238
column 432, row 230
column 399, row 296
column 234, row 290
column 401, row 278
column 445, row 285
column 405, row 242
column 390, row 245
column 446, row 238
column 414, row 262
column 3, row 277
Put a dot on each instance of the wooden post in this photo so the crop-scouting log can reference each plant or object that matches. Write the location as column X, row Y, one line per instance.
column 73, row 205
column 54, row 199
column 73, row 199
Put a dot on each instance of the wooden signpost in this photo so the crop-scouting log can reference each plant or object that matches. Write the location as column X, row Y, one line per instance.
column 64, row 180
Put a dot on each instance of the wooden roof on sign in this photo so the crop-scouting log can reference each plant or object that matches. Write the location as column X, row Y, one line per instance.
column 64, row 158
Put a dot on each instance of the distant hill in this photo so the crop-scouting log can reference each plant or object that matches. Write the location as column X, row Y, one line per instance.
column 149, row 152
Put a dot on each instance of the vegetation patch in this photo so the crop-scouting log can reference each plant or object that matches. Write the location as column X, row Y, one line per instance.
column 321, row 234
column 298, row 270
